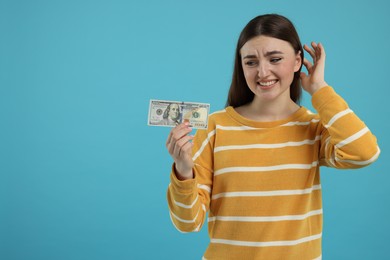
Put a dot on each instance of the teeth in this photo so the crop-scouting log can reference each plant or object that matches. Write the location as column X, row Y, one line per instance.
column 268, row 83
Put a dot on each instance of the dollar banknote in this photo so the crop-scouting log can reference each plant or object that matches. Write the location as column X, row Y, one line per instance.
column 172, row 113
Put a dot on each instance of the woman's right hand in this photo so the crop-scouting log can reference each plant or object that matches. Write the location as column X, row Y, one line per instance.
column 179, row 146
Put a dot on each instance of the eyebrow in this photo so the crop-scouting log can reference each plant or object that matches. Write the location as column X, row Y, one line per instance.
column 269, row 53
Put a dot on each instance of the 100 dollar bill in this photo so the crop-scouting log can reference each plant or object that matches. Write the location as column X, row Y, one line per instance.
column 172, row 113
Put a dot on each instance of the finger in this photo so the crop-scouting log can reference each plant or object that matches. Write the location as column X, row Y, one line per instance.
column 180, row 132
column 186, row 149
column 180, row 144
column 171, row 141
column 320, row 65
column 170, row 147
column 321, row 51
column 310, row 51
column 169, row 138
column 175, row 134
column 184, row 140
column 171, row 133
column 314, row 45
column 317, row 50
column 185, row 144
column 308, row 65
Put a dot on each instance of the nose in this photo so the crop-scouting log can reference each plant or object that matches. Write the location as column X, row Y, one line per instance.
column 262, row 70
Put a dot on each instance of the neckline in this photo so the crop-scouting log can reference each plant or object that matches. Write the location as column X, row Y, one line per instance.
column 261, row 124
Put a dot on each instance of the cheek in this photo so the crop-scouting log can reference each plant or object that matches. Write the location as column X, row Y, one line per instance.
column 288, row 71
column 249, row 74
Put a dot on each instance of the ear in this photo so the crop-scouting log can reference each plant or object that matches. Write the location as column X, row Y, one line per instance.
column 298, row 61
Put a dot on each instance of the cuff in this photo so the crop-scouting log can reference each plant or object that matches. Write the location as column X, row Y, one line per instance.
column 322, row 97
column 186, row 186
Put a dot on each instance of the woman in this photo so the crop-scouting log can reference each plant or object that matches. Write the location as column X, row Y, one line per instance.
column 256, row 168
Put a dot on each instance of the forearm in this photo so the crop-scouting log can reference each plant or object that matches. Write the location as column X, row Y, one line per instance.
column 185, row 203
column 347, row 142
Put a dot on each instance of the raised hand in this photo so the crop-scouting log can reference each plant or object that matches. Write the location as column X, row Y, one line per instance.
column 179, row 146
column 316, row 70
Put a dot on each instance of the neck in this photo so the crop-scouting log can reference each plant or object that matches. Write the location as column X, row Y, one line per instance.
column 268, row 111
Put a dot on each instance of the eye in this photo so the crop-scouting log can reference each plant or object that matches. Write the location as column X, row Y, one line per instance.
column 251, row 63
column 275, row 60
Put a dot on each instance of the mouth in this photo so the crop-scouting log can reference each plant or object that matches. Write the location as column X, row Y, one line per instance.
column 267, row 84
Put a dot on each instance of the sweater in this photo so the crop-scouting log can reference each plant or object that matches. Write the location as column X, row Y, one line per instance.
column 260, row 181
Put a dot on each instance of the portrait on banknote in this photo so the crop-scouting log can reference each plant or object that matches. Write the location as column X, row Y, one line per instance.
column 171, row 115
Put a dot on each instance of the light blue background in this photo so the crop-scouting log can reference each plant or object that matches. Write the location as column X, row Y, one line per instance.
column 81, row 174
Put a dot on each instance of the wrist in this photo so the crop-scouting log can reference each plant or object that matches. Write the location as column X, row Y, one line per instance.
column 183, row 174
column 315, row 87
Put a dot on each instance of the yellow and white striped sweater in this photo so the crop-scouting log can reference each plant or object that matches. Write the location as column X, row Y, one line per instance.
column 260, row 181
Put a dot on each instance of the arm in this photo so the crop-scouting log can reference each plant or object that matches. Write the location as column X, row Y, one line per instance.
column 189, row 194
column 346, row 142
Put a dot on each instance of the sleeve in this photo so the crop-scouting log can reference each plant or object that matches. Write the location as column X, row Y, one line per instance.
column 189, row 200
column 346, row 142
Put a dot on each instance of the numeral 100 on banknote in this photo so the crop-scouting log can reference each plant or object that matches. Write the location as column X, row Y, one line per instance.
column 172, row 113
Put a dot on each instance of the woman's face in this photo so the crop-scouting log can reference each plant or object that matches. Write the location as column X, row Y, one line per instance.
column 269, row 65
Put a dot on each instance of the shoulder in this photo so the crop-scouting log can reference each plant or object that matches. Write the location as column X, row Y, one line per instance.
column 310, row 119
column 214, row 120
column 217, row 114
column 309, row 115
column 220, row 117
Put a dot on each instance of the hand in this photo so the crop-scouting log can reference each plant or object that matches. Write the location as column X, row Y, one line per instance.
column 179, row 146
column 315, row 80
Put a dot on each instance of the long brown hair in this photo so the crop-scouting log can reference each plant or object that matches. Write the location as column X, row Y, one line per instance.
column 272, row 25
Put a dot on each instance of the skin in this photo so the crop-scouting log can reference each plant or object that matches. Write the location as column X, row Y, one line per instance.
column 271, row 102
column 269, row 65
column 179, row 146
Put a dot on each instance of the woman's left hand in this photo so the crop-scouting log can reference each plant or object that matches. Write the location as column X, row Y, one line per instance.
column 315, row 80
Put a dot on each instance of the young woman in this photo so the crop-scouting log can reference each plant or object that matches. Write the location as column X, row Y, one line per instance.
column 256, row 168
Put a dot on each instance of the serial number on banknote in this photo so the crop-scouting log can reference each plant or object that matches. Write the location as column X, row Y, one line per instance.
column 172, row 113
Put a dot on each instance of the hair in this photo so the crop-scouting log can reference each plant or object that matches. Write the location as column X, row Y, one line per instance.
column 166, row 112
column 272, row 25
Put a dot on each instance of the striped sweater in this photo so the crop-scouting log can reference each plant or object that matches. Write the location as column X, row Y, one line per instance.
column 260, row 181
